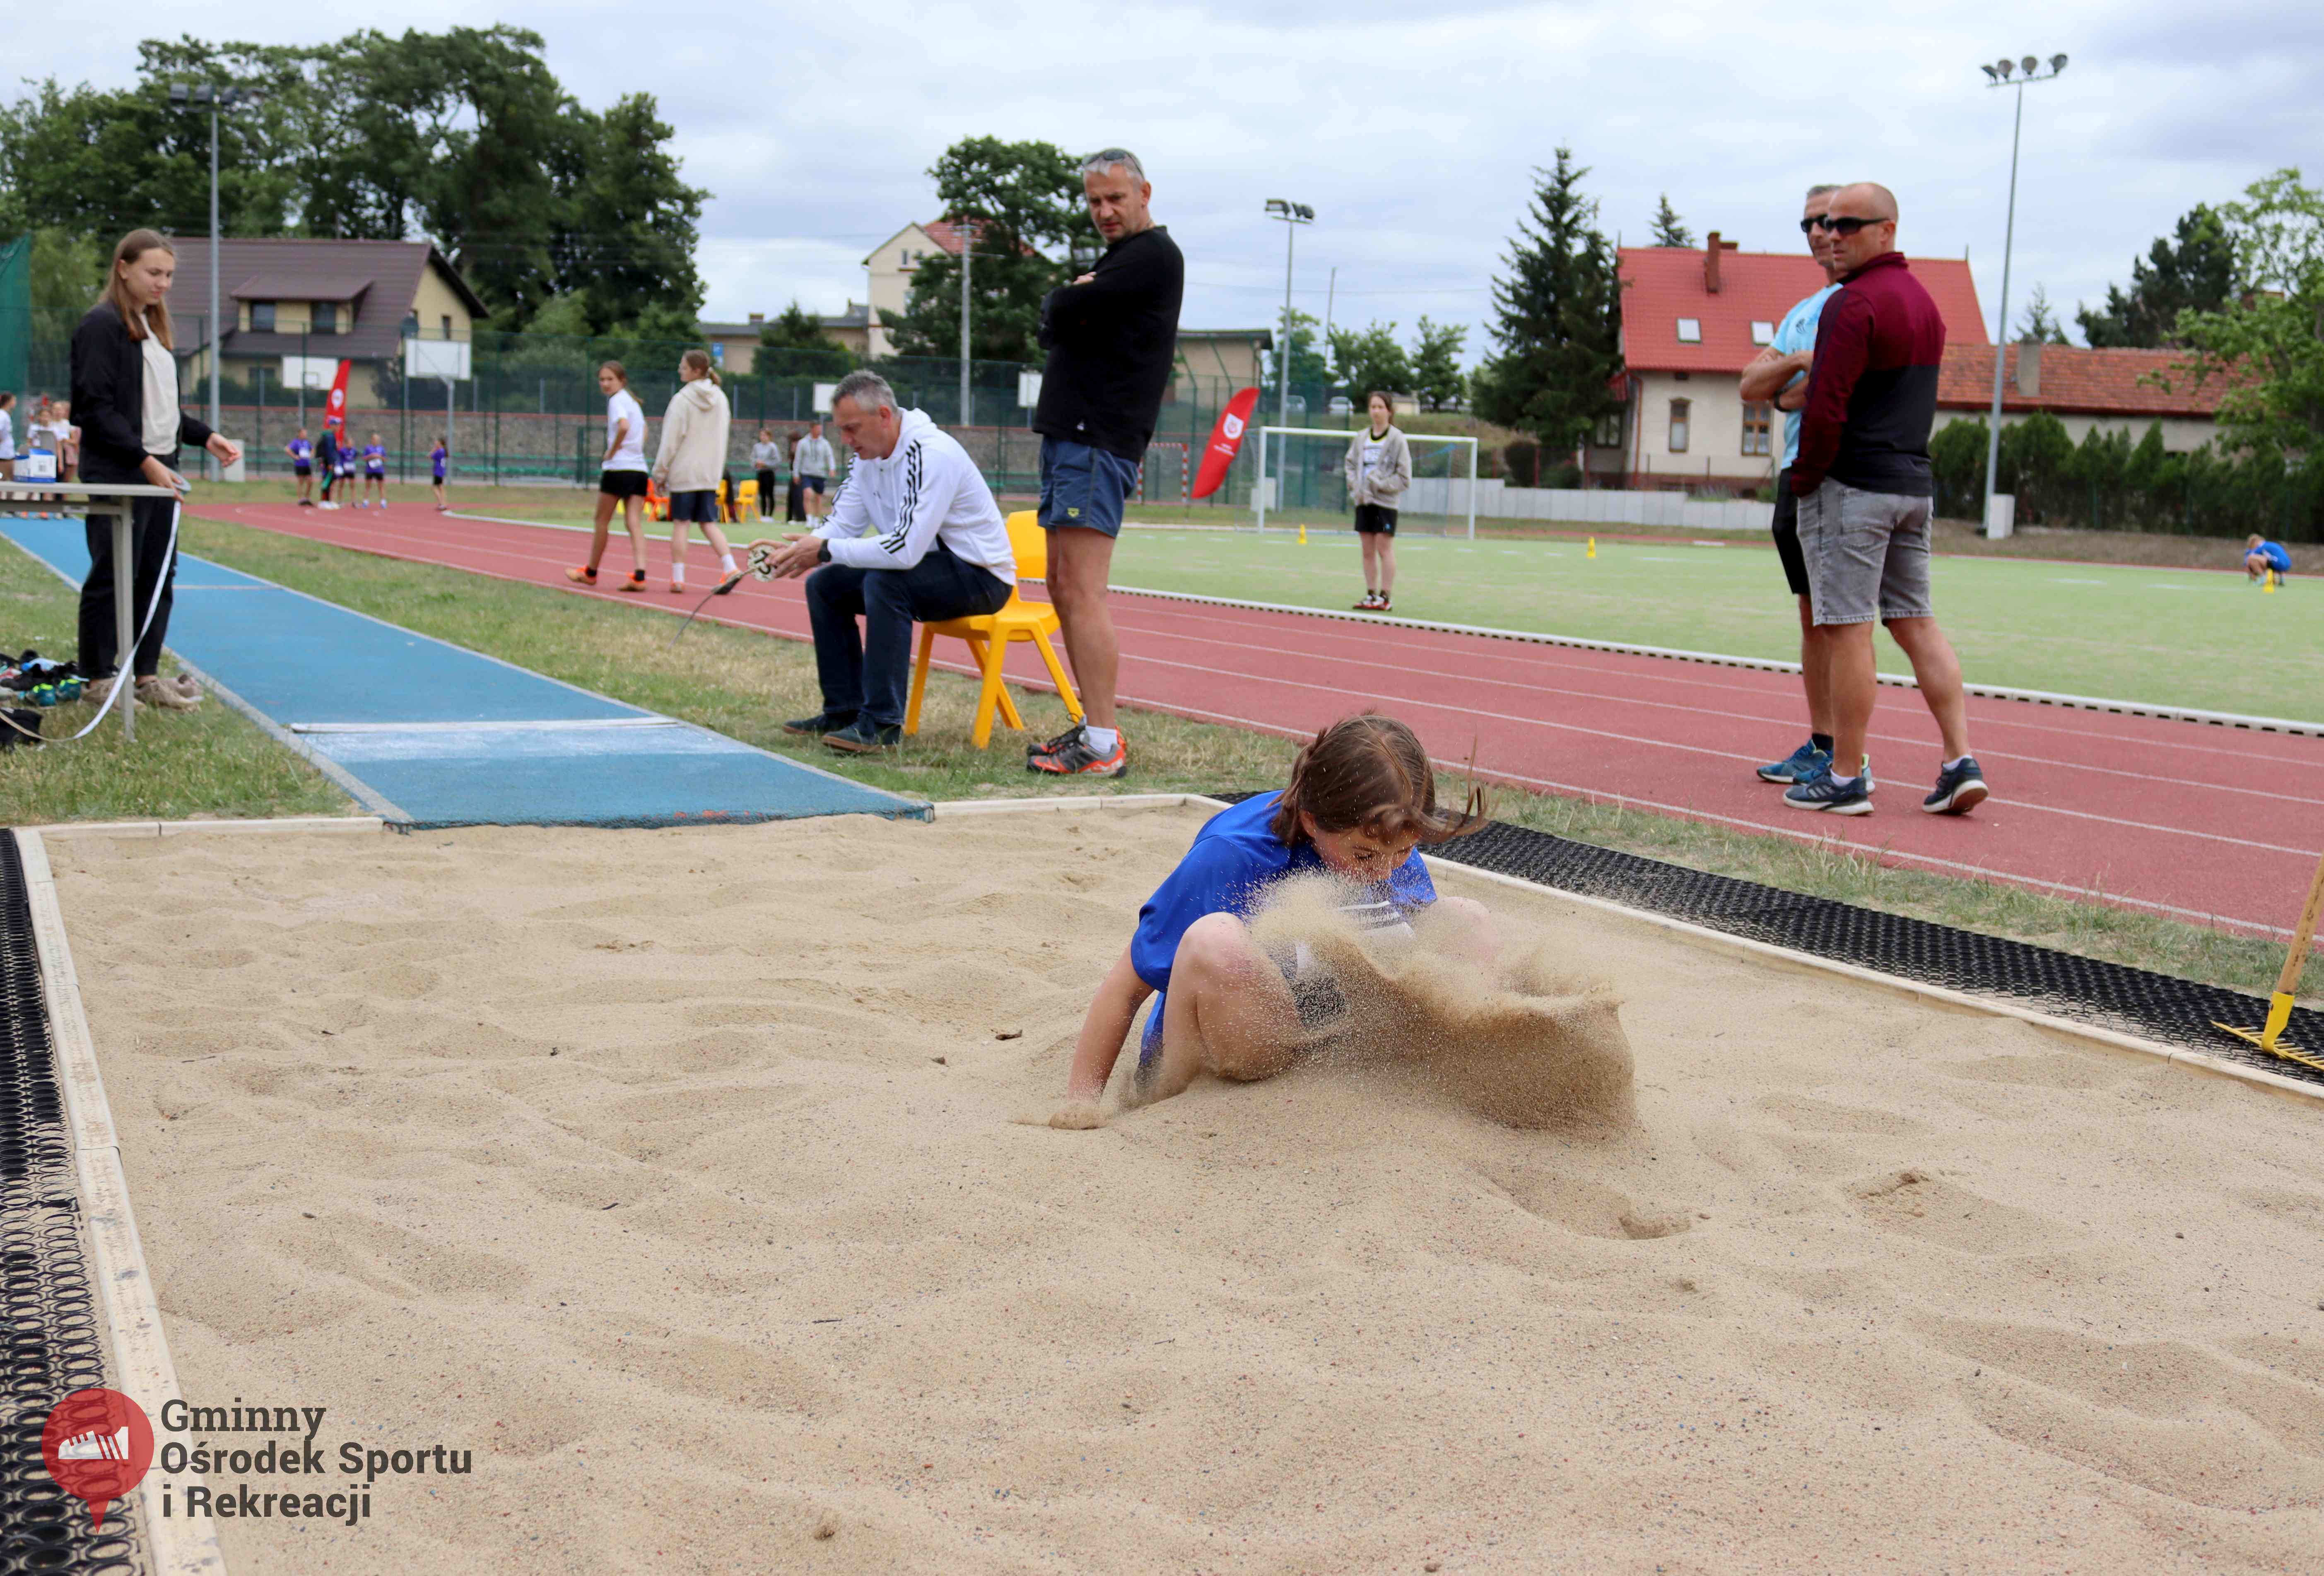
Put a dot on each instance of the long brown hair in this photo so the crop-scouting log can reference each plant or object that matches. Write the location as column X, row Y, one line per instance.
column 699, row 361
column 1370, row 771
column 134, row 246
column 621, row 374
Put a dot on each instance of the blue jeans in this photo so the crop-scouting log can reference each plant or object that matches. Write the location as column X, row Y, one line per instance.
column 866, row 675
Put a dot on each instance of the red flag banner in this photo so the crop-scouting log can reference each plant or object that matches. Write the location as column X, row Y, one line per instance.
column 1226, row 437
column 335, row 412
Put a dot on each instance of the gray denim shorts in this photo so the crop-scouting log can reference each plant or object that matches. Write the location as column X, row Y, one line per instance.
column 1868, row 554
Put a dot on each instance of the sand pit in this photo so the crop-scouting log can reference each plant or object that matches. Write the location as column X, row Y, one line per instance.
column 676, row 1174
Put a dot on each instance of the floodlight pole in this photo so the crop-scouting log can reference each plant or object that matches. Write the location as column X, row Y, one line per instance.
column 2009, row 244
column 216, row 344
column 1293, row 215
column 960, row 226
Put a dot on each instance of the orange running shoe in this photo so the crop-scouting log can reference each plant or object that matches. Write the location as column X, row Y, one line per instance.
column 582, row 575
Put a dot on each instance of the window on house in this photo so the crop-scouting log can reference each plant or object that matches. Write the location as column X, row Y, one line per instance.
column 326, row 317
column 1762, row 333
column 1759, row 427
column 446, row 321
column 1610, row 431
column 261, row 317
column 1680, row 411
column 1690, row 330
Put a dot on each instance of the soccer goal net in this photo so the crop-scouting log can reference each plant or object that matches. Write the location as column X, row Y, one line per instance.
column 1301, row 480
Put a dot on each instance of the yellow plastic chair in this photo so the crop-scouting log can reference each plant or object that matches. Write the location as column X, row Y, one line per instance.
column 988, row 636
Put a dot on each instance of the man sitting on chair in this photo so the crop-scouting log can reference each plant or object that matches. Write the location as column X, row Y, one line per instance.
column 913, row 535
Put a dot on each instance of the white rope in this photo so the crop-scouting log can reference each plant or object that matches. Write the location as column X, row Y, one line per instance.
column 123, row 661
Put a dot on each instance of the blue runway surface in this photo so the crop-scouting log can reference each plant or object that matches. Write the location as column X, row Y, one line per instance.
column 429, row 734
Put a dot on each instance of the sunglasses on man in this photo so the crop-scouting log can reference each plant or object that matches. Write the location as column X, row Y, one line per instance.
column 1847, row 226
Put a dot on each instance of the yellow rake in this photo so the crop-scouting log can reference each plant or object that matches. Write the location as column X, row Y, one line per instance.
column 2267, row 1038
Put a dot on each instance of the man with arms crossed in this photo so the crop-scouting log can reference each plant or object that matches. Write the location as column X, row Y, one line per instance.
column 1779, row 374
column 1112, row 336
column 1863, row 484
column 913, row 535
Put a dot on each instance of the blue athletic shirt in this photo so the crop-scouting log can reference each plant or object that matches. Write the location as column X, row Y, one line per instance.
column 436, row 458
column 1233, row 860
column 301, row 452
column 2277, row 558
column 375, row 458
column 1797, row 331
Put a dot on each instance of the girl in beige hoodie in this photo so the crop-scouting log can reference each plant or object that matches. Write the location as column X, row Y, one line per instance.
column 688, row 466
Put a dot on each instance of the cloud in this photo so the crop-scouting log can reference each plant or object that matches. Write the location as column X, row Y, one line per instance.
column 1415, row 134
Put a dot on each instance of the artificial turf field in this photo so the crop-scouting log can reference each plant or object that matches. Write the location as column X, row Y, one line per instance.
column 2173, row 637
column 2170, row 637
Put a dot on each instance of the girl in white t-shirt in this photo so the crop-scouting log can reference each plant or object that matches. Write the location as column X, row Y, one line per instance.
column 621, row 480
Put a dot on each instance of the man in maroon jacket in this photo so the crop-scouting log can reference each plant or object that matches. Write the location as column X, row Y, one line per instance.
column 1863, row 484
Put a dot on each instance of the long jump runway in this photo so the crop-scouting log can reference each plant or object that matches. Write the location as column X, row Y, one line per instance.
column 2199, row 822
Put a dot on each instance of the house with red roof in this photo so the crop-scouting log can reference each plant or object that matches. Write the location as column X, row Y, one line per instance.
column 2112, row 390
column 1691, row 318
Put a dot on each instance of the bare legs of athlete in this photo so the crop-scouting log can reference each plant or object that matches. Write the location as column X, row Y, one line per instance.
column 1379, row 563
column 1080, row 562
column 634, row 510
column 1815, row 671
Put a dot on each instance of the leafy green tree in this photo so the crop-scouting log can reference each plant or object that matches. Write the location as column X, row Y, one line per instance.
column 2039, row 326
column 1957, row 467
column 1557, row 319
column 1668, row 230
column 626, row 226
column 792, row 342
column 1022, row 205
column 2036, row 457
column 1368, row 359
column 2194, row 271
column 68, row 272
column 2266, row 345
column 1309, row 369
column 1436, row 375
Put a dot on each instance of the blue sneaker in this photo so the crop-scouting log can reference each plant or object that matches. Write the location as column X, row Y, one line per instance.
column 1958, row 791
column 1800, row 765
column 1823, row 792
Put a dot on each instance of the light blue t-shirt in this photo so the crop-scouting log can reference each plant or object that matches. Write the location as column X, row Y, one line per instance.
column 1797, row 331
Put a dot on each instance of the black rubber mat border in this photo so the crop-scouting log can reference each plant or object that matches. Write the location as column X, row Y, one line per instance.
column 52, row 1327
column 2140, row 1002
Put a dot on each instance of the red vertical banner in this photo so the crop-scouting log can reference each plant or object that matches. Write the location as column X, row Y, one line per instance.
column 335, row 409
column 1226, row 439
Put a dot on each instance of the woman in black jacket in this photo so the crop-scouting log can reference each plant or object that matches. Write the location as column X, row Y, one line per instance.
column 124, row 397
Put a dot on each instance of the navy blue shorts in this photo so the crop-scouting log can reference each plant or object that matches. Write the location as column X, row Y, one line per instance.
column 1084, row 487
column 699, row 507
column 812, row 482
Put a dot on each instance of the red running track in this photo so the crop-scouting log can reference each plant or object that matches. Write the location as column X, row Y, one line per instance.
column 2200, row 822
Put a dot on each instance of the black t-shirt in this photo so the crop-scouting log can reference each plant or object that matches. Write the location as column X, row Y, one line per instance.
column 1111, row 344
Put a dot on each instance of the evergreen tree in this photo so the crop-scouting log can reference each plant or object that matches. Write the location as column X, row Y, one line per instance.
column 2039, row 326
column 2196, row 271
column 799, row 345
column 1557, row 320
column 1436, row 375
column 1668, row 230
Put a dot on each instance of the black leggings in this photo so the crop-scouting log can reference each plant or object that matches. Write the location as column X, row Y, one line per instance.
column 151, row 563
column 766, row 494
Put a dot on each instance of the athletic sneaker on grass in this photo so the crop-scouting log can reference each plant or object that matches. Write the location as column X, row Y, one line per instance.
column 1051, row 746
column 864, row 737
column 1077, row 758
column 1800, row 765
column 1827, row 793
column 1960, row 789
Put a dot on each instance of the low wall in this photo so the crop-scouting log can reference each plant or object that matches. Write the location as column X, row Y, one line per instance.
column 1496, row 500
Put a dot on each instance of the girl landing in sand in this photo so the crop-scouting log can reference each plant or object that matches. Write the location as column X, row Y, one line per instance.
column 1360, row 801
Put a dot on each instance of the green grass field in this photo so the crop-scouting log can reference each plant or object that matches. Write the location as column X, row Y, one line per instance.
column 2174, row 637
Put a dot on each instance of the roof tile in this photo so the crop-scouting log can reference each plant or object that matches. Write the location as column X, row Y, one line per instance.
column 1661, row 284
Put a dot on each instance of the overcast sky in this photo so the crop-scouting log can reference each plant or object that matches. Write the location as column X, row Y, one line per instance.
column 1414, row 131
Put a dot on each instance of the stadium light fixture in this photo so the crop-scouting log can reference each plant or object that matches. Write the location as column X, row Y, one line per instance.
column 212, row 97
column 1998, row 75
column 1293, row 214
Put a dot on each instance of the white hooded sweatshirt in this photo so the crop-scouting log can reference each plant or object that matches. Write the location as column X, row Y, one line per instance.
column 693, row 452
column 891, row 512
